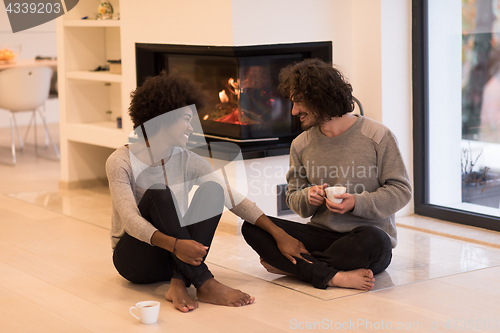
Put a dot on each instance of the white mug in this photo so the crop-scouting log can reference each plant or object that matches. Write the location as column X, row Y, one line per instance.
column 148, row 311
column 331, row 191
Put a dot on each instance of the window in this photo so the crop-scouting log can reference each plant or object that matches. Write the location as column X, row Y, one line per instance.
column 456, row 79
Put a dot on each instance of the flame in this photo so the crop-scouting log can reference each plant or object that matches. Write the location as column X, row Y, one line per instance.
column 235, row 85
column 223, row 96
column 206, row 117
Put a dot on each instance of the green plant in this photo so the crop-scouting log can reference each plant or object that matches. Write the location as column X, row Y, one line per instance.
column 468, row 162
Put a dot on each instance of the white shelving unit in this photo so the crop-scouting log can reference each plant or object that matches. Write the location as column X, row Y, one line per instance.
column 94, row 76
column 90, row 101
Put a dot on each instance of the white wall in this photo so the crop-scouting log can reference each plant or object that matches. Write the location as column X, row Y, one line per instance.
column 396, row 78
column 372, row 45
column 281, row 21
column 40, row 40
column 445, row 99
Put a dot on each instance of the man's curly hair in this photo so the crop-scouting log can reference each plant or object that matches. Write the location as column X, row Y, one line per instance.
column 321, row 87
column 164, row 93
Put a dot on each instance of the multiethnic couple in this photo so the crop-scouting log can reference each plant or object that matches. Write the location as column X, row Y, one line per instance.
column 158, row 234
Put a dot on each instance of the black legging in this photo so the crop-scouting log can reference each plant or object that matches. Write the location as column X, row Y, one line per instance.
column 140, row 262
column 331, row 252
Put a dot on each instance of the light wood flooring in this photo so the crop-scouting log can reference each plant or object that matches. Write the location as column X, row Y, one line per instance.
column 56, row 275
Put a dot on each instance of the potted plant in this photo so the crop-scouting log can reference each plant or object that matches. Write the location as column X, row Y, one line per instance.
column 479, row 187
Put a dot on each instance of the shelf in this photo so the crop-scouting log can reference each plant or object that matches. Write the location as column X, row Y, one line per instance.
column 86, row 96
column 94, row 76
column 103, row 134
column 92, row 23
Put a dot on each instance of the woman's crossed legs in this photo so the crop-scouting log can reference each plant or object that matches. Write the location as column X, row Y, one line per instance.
column 140, row 262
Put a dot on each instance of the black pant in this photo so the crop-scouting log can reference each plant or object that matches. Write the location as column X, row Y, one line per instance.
column 140, row 262
column 331, row 252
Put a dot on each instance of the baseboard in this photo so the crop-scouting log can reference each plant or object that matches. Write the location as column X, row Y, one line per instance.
column 85, row 183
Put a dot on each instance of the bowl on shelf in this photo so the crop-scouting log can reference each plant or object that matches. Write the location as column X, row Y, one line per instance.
column 9, row 52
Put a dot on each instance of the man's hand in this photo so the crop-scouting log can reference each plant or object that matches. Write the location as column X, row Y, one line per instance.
column 346, row 205
column 190, row 251
column 316, row 194
column 291, row 247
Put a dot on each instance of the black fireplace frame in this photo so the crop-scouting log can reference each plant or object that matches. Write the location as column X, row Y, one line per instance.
column 150, row 60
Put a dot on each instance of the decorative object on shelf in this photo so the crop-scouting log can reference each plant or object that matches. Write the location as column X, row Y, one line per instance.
column 115, row 66
column 105, row 11
column 100, row 69
column 119, row 122
column 109, row 114
column 9, row 53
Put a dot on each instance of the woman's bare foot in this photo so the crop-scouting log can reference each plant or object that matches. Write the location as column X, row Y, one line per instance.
column 214, row 292
column 177, row 294
column 272, row 269
column 361, row 279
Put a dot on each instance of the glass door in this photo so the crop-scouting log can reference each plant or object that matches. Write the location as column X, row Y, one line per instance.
column 456, row 57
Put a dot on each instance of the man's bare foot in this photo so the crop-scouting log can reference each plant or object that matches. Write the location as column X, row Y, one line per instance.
column 214, row 292
column 361, row 279
column 177, row 294
column 272, row 269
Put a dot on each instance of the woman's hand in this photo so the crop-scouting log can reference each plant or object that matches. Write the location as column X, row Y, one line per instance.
column 187, row 250
column 291, row 247
column 190, row 251
column 288, row 245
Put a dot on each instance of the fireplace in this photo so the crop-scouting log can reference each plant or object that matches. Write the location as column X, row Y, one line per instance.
column 245, row 106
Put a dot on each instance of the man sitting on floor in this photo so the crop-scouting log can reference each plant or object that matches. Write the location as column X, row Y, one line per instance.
column 347, row 242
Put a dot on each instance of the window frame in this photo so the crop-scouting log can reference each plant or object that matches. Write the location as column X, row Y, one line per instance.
column 420, row 80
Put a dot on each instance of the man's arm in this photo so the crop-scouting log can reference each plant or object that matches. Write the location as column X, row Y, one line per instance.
column 395, row 187
column 297, row 195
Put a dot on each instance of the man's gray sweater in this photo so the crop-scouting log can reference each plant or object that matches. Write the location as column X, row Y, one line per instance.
column 366, row 160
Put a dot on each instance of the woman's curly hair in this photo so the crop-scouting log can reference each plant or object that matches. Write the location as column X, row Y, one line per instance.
column 164, row 93
column 321, row 87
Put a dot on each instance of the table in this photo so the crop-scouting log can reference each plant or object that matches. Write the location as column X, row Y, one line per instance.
column 29, row 62
column 32, row 62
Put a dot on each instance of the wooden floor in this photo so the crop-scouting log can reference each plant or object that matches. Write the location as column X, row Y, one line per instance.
column 56, row 275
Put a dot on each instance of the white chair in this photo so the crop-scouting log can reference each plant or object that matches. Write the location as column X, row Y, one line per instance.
column 26, row 89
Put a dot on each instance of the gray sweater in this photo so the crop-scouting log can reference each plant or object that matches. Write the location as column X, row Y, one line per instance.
column 129, row 178
column 366, row 160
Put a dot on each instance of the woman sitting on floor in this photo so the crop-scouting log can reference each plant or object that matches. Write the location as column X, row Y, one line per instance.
column 156, row 235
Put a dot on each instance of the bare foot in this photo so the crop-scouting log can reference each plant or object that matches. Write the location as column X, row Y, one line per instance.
column 177, row 294
column 272, row 269
column 361, row 279
column 214, row 292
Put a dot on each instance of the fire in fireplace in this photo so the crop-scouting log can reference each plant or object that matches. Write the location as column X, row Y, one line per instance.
column 242, row 81
column 249, row 100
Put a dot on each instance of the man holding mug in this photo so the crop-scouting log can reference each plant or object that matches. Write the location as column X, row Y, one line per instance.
column 351, row 241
